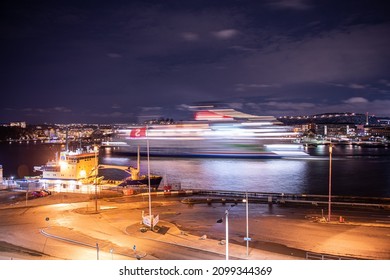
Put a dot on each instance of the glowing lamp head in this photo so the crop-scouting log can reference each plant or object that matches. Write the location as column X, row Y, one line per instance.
column 63, row 164
column 83, row 173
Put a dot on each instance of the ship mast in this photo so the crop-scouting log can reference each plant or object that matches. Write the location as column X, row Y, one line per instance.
column 66, row 139
column 136, row 171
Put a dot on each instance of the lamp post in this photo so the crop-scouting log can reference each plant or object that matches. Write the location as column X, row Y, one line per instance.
column 150, row 197
column 27, row 189
column 330, row 182
column 226, row 230
column 97, row 251
column 247, row 239
column 96, row 177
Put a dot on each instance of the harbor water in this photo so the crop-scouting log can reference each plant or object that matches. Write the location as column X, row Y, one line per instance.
column 356, row 171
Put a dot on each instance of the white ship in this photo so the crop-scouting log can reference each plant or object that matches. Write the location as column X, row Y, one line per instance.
column 70, row 171
column 214, row 133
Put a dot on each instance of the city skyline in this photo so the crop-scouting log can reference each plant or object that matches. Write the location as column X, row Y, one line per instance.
column 119, row 61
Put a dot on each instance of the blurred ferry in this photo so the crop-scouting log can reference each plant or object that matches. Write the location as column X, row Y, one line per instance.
column 215, row 133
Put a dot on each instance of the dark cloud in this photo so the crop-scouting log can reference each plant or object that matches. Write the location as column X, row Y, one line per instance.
column 113, row 61
column 298, row 5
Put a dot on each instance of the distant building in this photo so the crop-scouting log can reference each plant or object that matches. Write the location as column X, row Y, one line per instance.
column 336, row 130
column 384, row 121
column 331, row 118
column 18, row 124
column 340, row 124
column 378, row 131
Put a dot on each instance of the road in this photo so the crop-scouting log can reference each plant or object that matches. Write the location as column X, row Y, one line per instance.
column 21, row 237
column 288, row 231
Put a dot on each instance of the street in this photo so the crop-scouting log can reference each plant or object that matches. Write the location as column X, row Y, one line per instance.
column 191, row 230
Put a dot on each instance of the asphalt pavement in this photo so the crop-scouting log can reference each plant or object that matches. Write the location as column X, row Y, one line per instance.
column 77, row 226
column 167, row 233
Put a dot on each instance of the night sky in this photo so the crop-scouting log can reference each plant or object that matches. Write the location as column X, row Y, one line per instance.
column 123, row 61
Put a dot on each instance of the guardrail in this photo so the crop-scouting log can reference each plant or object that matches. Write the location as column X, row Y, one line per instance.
column 210, row 196
column 316, row 256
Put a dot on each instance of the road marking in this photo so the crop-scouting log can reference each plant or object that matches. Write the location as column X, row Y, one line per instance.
column 108, row 207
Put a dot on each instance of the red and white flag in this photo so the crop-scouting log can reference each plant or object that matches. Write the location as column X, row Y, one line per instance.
column 138, row 132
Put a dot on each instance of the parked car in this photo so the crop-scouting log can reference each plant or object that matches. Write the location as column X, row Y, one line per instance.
column 40, row 193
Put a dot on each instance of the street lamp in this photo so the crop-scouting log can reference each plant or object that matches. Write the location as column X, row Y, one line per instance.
column 27, row 189
column 149, row 194
column 96, row 178
column 226, row 229
column 330, row 181
column 97, row 251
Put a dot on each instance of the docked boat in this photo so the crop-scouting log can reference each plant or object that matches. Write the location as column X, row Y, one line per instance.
column 70, row 170
column 80, row 169
column 214, row 133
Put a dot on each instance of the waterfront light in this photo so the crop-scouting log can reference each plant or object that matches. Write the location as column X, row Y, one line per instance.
column 96, row 149
column 330, row 182
column 83, row 174
column 63, row 164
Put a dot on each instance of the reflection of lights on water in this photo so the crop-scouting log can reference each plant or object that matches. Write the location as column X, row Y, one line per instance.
column 227, row 174
column 256, row 175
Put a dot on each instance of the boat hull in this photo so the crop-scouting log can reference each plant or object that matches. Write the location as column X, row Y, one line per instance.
column 144, row 182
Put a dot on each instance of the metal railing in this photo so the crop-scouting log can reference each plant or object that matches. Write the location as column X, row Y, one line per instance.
column 317, row 256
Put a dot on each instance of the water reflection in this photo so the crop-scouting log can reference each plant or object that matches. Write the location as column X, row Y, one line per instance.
column 356, row 170
column 352, row 175
column 221, row 174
